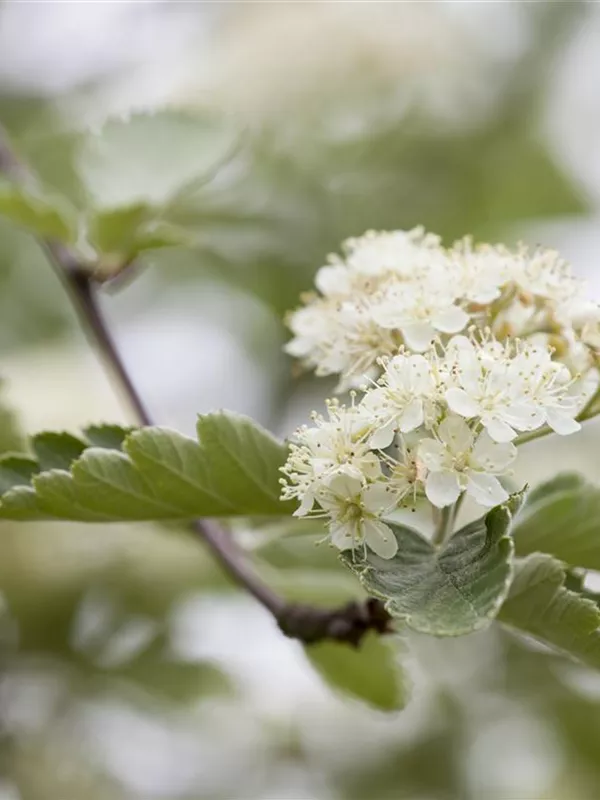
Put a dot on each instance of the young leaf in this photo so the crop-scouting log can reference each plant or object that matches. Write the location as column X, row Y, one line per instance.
column 41, row 215
column 150, row 158
column 372, row 673
column 539, row 605
column 156, row 473
column 449, row 591
column 120, row 234
column 562, row 518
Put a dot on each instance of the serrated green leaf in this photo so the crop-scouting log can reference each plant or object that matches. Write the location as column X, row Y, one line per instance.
column 540, row 606
column 110, row 437
column 449, row 591
column 56, row 450
column 149, row 158
column 372, row 673
column 233, row 470
column 562, row 518
column 41, row 215
column 247, row 455
column 16, row 471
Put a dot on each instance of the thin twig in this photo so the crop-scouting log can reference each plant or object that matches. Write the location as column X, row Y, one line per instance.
column 306, row 623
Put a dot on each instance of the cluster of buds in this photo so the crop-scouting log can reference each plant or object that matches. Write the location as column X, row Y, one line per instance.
column 459, row 354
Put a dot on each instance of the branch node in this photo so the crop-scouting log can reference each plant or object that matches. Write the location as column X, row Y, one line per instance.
column 347, row 624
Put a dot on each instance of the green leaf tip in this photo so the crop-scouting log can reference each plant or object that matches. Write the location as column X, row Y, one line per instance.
column 449, row 591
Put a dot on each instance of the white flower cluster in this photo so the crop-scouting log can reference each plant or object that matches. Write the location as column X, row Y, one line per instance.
column 463, row 350
column 438, row 424
column 402, row 288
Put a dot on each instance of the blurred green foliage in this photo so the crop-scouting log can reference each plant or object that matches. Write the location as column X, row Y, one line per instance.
column 257, row 208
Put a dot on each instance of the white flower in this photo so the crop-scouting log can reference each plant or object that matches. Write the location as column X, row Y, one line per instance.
column 481, row 271
column 420, row 309
column 312, row 325
column 333, row 446
column 483, row 390
column 378, row 253
column 405, row 396
column 542, row 386
column 354, row 512
column 458, row 462
column 544, row 274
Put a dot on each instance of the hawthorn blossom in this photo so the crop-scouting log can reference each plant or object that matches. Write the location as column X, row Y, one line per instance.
column 403, row 400
column 355, row 513
column 333, row 446
column 459, row 461
column 420, row 310
column 512, row 393
column 457, row 351
column 541, row 386
column 390, row 289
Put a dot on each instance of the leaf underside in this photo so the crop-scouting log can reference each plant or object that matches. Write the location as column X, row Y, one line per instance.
column 450, row 591
column 115, row 474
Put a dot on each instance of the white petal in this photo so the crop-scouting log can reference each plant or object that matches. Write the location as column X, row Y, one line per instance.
column 456, row 434
column 493, row 456
column 306, row 505
column 333, row 279
column 432, row 453
column 451, row 320
column 343, row 536
column 412, row 416
column 562, row 423
column 418, row 335
column 485, row 489
column 499, row 431
column 370, row 466
column 421, row 378
column 377, row 498
column 524, row 416
column 461, row 403
column 442, row 488
column 380, row 538
column 383, row 437
column 345, row 486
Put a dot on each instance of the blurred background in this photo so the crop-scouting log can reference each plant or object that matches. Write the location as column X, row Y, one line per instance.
column 130, row 669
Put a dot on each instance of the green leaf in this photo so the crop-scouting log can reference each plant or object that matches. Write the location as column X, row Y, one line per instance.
column 449, row 591
column 150, row 158
column 539, row 605
column 233, row 470
column 372, row 673
column 157, row 671
column 109, row 436
column 46, row 217
column 120, row 234
column 56, row 450
column 16, row 471
column 562, row 518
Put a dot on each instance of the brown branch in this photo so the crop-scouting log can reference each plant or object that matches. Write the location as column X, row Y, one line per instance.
column 307, row 623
